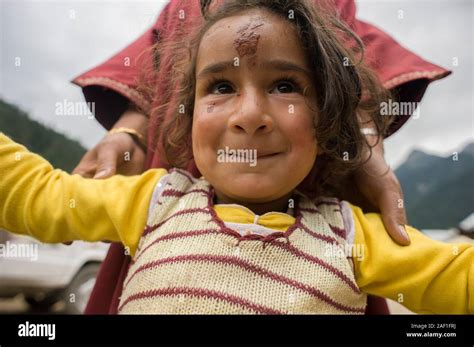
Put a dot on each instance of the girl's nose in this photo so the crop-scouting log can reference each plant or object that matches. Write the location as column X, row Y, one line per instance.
column 251, row 115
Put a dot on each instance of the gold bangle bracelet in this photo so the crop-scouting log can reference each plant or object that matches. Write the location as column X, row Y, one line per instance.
column 139, row 138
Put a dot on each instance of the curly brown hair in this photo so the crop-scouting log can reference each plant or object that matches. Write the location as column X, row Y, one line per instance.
column 346, row 88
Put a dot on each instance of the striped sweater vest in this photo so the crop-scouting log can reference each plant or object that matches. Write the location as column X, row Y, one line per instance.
column 189, row 262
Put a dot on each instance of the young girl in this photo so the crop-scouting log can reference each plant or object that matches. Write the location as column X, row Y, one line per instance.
column 269, row 84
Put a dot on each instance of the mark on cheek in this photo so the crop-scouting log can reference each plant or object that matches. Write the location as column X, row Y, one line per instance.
column 210, row 107
column 247, row 41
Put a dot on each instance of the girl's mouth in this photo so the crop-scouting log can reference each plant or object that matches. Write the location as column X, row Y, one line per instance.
column 269, row 155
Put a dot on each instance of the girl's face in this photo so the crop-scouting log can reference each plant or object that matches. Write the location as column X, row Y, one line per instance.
column 251, row 72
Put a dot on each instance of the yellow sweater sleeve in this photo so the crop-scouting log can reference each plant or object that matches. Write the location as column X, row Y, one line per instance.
column 53, row 206
column 427, row 277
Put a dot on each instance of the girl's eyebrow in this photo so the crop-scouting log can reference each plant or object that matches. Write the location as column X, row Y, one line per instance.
column 274, row 64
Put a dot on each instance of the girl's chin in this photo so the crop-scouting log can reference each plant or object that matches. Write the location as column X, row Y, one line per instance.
column 251, row 193
column 249, row 186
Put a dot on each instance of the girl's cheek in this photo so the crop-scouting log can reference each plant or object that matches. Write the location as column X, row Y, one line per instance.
column 206, row 124
column 295, row 116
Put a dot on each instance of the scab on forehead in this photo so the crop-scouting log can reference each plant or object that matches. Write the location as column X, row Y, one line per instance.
column 246, row 42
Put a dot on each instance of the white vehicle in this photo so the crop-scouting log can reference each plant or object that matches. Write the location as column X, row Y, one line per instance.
column 47, row 273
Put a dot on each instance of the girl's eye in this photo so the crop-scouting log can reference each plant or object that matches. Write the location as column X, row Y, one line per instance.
column 287, row 85
column 219, row 87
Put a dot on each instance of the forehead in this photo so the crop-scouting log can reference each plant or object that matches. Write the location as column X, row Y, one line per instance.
column 253, row 34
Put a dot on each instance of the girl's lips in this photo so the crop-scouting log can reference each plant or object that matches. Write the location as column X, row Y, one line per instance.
column 271, row 155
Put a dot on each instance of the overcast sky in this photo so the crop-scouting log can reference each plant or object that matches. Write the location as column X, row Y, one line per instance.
column 54, row 41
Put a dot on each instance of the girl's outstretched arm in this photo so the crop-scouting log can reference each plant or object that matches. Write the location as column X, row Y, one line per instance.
column 53, row 206
column 427, row 276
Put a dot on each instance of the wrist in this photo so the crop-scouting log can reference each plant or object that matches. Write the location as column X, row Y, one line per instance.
column 133, row 119
column 135, row 135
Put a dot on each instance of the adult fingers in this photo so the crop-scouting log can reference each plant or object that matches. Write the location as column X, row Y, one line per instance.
column 106, row 160
column 87, row 165
column 393, row 216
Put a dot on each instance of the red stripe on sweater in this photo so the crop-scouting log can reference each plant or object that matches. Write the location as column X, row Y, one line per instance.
column 150, row 228
column 338, row 231
column 325, row 238
column 177, row 193
column 185, row 174
column 177, row 235
column 293, row 250
column 327, row 202
column 283, row 245
column 310, row 210
column 203, row 293
column 254, row 269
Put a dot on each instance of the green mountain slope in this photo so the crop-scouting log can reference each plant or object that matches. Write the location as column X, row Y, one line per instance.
column 61, row 152
column 439, row 192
